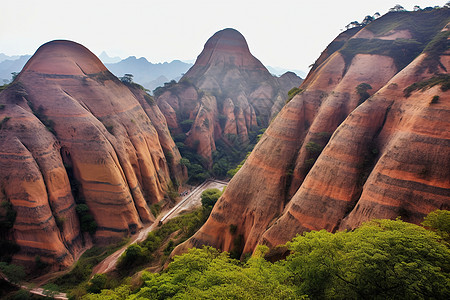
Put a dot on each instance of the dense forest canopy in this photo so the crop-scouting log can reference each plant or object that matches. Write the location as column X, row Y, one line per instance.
column 382, row 259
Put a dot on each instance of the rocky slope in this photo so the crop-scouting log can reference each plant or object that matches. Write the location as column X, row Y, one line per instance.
column 72, row 133
column 227, row 94
column 333, row 158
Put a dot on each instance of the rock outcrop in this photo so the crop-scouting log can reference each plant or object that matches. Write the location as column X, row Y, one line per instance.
column 367, row 136
column 72, row 134
column 227, row 94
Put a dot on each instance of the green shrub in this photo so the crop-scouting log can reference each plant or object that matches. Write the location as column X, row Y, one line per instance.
column 233, row 228
column 97, row 283
column 439, row 221
column 3, row 122
column 87, row 221
column 110, row 129
column 186, row 125
column 169, row 247
column 222, row 121
column 292, row 92
column 82, row 269
column 210, row 197
column 135, row 255
column 152, row 242
column 155, row 209
column 441, row 79
column 434, row 100
column 14, row 273
column 437, row 47
column 150, row 100
column 313, row 147
column 361, row 90
column 168, row 86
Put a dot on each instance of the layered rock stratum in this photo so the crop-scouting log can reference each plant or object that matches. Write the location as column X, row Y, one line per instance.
column 72, row 133
column 226, row 94
column 367, row 136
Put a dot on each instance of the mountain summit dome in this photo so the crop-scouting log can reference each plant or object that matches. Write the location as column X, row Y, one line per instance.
column 64, row 57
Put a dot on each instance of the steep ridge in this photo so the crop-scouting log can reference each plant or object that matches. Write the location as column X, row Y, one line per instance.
column 388, row 158
column 72, row 133
column 228, row 87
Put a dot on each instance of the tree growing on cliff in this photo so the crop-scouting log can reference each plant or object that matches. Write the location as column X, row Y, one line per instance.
column 361, row 90
column 127, row 78
column 397, row 8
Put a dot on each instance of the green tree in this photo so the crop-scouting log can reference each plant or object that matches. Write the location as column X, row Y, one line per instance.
column 209, row 274
column 292, row 92
column 135, row 255
column 14, row 273
column 97, row 283
column 127, row 78
column 382, row 259
column 439, row 221
column 210, row 197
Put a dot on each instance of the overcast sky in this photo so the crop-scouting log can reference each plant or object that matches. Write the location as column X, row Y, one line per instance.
column 283, row 33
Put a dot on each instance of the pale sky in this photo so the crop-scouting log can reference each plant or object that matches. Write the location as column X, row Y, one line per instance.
column 282, row 33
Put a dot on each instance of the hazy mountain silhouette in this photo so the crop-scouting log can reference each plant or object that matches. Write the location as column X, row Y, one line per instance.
column 147, row 73
column 106, row 59
column 11, row 65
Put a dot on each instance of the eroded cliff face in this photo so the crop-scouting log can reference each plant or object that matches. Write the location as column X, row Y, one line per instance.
column 75, row 134
column 333, row 158
column 230, row 88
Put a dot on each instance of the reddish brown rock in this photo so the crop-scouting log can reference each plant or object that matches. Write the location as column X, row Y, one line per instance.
column 246, row 95
column 107, row 137
column 386, row 157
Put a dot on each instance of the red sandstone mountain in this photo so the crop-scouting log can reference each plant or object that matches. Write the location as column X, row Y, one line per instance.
column 73, row 133
column 241, row 95
column 383, row 157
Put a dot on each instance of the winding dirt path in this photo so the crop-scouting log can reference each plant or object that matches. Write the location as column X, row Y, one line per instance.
column 189, row 201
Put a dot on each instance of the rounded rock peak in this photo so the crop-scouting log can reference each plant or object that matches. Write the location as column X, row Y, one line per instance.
column 227, row 39
column 63, row 57
column 225, row 47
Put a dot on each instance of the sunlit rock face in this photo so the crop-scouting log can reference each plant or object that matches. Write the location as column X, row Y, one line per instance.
column 350, row 146
column 76, row 134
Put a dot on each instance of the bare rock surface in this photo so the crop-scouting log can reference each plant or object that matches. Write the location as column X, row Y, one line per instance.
column 74, row 134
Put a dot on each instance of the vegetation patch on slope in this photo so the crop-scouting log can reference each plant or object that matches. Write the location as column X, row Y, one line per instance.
column 442, row 79
column 425, row 27
column 403, row 51
column 385, row 259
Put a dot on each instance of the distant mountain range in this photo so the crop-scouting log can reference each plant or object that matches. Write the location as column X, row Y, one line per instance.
column 106, row 59
column 150, row 75
column 280, row 71
column 10, row 64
